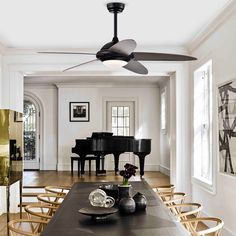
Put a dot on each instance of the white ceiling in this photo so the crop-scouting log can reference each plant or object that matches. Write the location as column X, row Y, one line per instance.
column 69, row 24
column 86, row 25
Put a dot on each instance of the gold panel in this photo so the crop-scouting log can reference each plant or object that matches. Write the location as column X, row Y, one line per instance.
column 11, row 147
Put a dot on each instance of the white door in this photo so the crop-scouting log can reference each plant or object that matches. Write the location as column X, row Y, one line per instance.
column 31, row 135
column 120, row 121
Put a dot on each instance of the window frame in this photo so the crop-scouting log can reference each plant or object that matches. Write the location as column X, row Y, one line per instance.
column 201, row 182
column 163, row 92
column 123, row 116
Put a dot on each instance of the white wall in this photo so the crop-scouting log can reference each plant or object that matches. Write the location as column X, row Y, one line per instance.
column 165, row 134
column 147, row 123
column 220, row 46
column 46, row 96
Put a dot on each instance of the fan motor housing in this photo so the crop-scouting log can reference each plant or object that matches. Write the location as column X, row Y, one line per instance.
column 115, row 7
column 105, row 55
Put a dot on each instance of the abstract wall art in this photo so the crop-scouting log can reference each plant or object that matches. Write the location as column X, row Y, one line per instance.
column 227, row 127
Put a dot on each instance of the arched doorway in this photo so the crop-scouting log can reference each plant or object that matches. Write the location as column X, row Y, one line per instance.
column 31, row 134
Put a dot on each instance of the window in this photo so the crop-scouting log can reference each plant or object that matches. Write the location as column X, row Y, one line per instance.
column 163, row 109
column 120, row 120
column 202, row 150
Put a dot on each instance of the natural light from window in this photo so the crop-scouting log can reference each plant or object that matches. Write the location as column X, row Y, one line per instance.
column 203, row 123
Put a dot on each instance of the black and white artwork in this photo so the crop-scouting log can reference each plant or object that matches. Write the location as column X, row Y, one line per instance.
column 79, row 111
column 227, row 127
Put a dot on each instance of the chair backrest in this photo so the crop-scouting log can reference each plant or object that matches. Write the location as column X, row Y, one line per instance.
column 192, row 226
column 172, row 198
column 26, row 227
column 164, row 189
column 60, row 190
column 183, row 210
column 51, row 198
column 43, row 211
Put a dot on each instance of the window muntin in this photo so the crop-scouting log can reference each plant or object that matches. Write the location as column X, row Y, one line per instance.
column 120, row 120
column 202, row 150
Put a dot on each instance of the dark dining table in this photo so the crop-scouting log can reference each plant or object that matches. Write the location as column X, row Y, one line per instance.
column 155, row 220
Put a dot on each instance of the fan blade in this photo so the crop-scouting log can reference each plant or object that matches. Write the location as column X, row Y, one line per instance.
column 125, row 47
column 79, row 53
column 81, row 64
column 148, row 56
column 136, row 67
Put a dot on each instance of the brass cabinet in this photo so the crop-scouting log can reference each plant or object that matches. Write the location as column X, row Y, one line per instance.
column 11, row 151
column 11, row 147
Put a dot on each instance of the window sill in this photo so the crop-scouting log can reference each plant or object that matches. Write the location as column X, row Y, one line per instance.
column 204, row 185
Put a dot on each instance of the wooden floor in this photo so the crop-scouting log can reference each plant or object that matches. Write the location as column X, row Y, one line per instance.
column 44, row 178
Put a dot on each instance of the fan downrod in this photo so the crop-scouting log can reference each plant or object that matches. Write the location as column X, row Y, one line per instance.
column 115, row 7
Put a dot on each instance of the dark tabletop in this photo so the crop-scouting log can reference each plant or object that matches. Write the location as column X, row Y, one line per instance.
column 155, row 220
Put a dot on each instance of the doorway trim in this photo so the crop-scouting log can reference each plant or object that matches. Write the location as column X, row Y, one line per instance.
column 39, row 105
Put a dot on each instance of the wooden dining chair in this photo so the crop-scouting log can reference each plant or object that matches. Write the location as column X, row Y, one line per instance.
column 60, row 190
column 43, row 211
column 164, row 189
column 192, row 225
column 185, row 211
column 51, row 198
column 172, row 198
column 26, row 227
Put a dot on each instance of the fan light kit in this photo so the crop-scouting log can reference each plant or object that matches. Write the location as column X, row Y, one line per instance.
column 116, row 54
column 115, row 63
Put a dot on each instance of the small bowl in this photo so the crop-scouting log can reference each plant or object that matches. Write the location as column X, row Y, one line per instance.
column 110, row 190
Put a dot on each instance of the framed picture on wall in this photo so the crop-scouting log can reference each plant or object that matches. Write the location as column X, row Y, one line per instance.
column 79, row 111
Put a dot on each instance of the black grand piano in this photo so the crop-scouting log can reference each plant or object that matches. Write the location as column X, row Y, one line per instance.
column 103, row 143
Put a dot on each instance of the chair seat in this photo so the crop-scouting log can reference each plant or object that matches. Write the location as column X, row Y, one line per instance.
column 87, row 158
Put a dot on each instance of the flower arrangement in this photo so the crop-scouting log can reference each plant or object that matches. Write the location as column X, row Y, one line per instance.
column 128, row 172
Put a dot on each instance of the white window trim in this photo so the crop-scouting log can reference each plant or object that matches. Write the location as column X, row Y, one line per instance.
column 208, row 187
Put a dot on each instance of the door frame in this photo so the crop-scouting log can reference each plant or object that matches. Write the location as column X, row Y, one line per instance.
column 105, row 100
column 39, row 106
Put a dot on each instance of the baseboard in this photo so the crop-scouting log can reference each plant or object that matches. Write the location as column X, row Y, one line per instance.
column 164, row 170
column 225, row 231
column 66, row 167
column 151, row 167
column 50, row 167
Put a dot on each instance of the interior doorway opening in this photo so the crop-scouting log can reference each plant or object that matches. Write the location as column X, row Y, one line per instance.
column 120, row 120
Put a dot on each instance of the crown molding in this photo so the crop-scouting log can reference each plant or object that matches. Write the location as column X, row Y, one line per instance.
column 212, row 26
column 39, row 86
column 104, row 85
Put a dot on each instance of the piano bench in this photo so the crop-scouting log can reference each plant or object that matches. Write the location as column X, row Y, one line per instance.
column 87, row 158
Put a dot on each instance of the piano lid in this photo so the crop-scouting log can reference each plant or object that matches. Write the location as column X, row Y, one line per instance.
column 101, row 134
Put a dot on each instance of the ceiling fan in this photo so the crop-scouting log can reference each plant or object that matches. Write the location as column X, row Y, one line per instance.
column 117, row 53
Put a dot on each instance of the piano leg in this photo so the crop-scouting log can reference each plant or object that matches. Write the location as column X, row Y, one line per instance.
column 97, row 164
column 116, row 157
column 141, row 163
column 82, row 163
column 102, row 171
